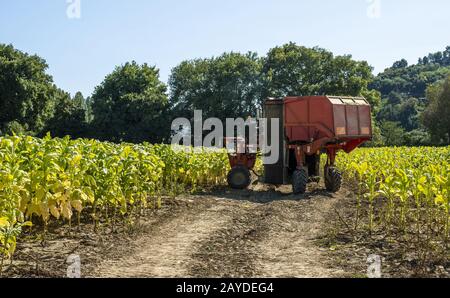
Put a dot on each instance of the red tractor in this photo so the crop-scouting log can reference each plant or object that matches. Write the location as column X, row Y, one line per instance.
column 309, row 126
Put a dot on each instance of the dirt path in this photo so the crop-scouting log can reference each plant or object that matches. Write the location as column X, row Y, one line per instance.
column 257, row 233
column 162, row 253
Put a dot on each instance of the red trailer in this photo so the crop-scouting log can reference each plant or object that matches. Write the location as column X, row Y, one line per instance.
column 310, row 125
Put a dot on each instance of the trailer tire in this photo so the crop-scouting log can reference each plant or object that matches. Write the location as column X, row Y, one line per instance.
column 299, row 181
column 333, row 179
column 239, row 178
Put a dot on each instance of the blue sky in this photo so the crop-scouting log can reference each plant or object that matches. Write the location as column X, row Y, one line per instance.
column 80, row 52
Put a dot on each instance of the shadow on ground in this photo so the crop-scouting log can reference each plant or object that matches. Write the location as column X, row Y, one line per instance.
column 265, row 193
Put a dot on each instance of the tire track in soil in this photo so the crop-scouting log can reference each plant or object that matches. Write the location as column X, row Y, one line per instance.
column 270, row 235
column 164, row 252
column 255, row 233
column 232, row 251
column 289, row 250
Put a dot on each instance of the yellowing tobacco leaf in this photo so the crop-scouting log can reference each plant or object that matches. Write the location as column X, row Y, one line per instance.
column 66, row 210
column 40, row 193
column 54, row 211
column 45, row 212
column 77, row 205
column 4, row 222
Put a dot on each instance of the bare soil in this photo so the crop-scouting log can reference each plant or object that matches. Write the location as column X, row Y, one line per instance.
column 403, row 255
column 261, row 232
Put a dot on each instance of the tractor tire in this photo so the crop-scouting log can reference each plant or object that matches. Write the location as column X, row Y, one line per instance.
column 239, row 178
column 299, row 181
column 333, row 179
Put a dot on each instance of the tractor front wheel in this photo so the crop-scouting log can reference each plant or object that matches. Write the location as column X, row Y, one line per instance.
column 333, row 179
column 299, row 181
column 239, row 178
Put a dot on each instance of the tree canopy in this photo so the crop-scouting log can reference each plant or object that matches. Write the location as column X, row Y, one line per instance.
column 27, row 92
column 227, row 86
column 70, row 117
column 130, row 105
column 234, row 84
column 292, row 70
column 436, row 116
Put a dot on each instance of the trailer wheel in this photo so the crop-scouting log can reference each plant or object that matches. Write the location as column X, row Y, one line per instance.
column 333, row 179
column 239, row 178
column 299, row 181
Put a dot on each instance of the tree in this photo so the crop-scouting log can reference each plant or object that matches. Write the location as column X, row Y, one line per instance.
column 446, row 59
column 408, row 114
column 131, row 105
column 227, row 86
column 27, row 92
column 13, row 128
column 89, row 113
column 400, row 64
column 418, row 137
column 394, row 98
column 292, row 70
column 436, row 116
column 392, row 132
column 70, row 117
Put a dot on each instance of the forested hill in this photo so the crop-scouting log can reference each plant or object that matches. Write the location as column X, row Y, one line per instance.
column 413, row 80
column 403, row 89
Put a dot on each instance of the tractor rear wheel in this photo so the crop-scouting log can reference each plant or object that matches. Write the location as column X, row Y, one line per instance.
column 299, row 181
column 239, row 178
column 333, row 179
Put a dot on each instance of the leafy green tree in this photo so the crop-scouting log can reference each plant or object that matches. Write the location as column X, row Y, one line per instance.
column 436, row 116
column 393, row 133
column 441, row 58
column 89, row 113
column 13, row 128
column 408, row 114
column 394, row 98
column 227, row 86
column 292, row 70
column 70, row 117
column 131, row 105
column 418, row 137
column 400, row 64
column 27, row 92
column 388, row 112
column 79, row 100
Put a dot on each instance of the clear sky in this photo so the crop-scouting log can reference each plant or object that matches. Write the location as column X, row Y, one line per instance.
column 81, row 51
